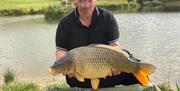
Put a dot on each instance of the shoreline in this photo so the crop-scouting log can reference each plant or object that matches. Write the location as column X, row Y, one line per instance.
column 46, row 82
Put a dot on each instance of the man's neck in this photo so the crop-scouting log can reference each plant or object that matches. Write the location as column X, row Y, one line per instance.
column 86, row 13
column 85, row 16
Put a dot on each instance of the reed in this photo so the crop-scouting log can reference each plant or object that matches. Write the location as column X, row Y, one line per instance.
column 178, row 87
column 9, row 76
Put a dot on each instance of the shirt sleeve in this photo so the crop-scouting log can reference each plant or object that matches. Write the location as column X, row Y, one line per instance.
column 62, row 36
column 112, row 29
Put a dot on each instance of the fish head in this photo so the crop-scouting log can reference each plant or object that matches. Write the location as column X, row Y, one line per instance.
column 63, row 65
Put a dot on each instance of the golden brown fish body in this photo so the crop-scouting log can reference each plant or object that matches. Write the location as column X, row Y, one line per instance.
column 96, row 61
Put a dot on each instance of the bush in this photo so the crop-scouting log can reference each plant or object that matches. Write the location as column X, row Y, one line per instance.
column 15, row 12
column 9, row 76
column 12, row 12
column 55, row 12
column 20, row 87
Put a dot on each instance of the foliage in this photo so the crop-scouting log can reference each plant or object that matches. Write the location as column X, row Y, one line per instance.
column 20, row 87
column 56, row 9
column 55, row 12
column 178, row 87
column 15, row 12
column 9, row 76
column 165, row 86
column 62, row 86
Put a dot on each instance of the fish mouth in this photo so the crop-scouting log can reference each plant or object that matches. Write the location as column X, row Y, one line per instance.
column 52, row 71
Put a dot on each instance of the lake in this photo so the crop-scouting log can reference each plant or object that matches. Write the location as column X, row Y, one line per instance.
column 27, row 44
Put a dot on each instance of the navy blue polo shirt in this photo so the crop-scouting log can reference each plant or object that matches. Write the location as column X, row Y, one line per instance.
column 71, row 33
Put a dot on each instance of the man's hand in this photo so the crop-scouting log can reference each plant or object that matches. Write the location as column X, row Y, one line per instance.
column 60, row 53
column 69, row 75
column 114, row 72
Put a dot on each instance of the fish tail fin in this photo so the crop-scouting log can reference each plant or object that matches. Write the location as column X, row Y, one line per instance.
column 141, row 77
column 143, row 72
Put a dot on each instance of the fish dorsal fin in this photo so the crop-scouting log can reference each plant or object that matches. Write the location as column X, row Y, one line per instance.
column 115, row 48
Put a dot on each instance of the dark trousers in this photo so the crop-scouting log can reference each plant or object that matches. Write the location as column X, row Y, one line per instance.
column 122, row 79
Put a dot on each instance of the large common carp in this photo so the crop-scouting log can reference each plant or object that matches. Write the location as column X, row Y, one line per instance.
column 96, row 61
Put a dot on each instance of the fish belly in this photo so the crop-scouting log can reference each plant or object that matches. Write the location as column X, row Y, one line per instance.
column 92, row 69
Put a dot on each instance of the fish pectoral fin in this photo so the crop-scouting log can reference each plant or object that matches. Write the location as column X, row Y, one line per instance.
column 95, row 83
column 79, row 78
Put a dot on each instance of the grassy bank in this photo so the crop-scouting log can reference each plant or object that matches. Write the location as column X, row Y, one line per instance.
column 26, row 4
column 15, row 86
column 24, row 7
column 62, row 86
column 11, row 85
column 56, row 12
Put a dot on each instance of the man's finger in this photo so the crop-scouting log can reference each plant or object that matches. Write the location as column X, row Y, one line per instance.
column 64, row 74
column 115, row 71
column 110, row 74
column 71, row 75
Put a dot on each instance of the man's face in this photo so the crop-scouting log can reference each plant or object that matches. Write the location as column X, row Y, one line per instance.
column 85, row 3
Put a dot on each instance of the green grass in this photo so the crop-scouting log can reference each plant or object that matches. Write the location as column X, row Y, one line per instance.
column 14, row 86
column 39, row 4
column 165, row 86
column 60, row 86
column 26, row 4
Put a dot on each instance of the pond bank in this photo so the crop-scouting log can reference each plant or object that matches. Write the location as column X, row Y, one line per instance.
column 39, row 8
column 62, row 86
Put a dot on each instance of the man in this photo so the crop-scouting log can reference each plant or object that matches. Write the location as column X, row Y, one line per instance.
column 88, row 24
